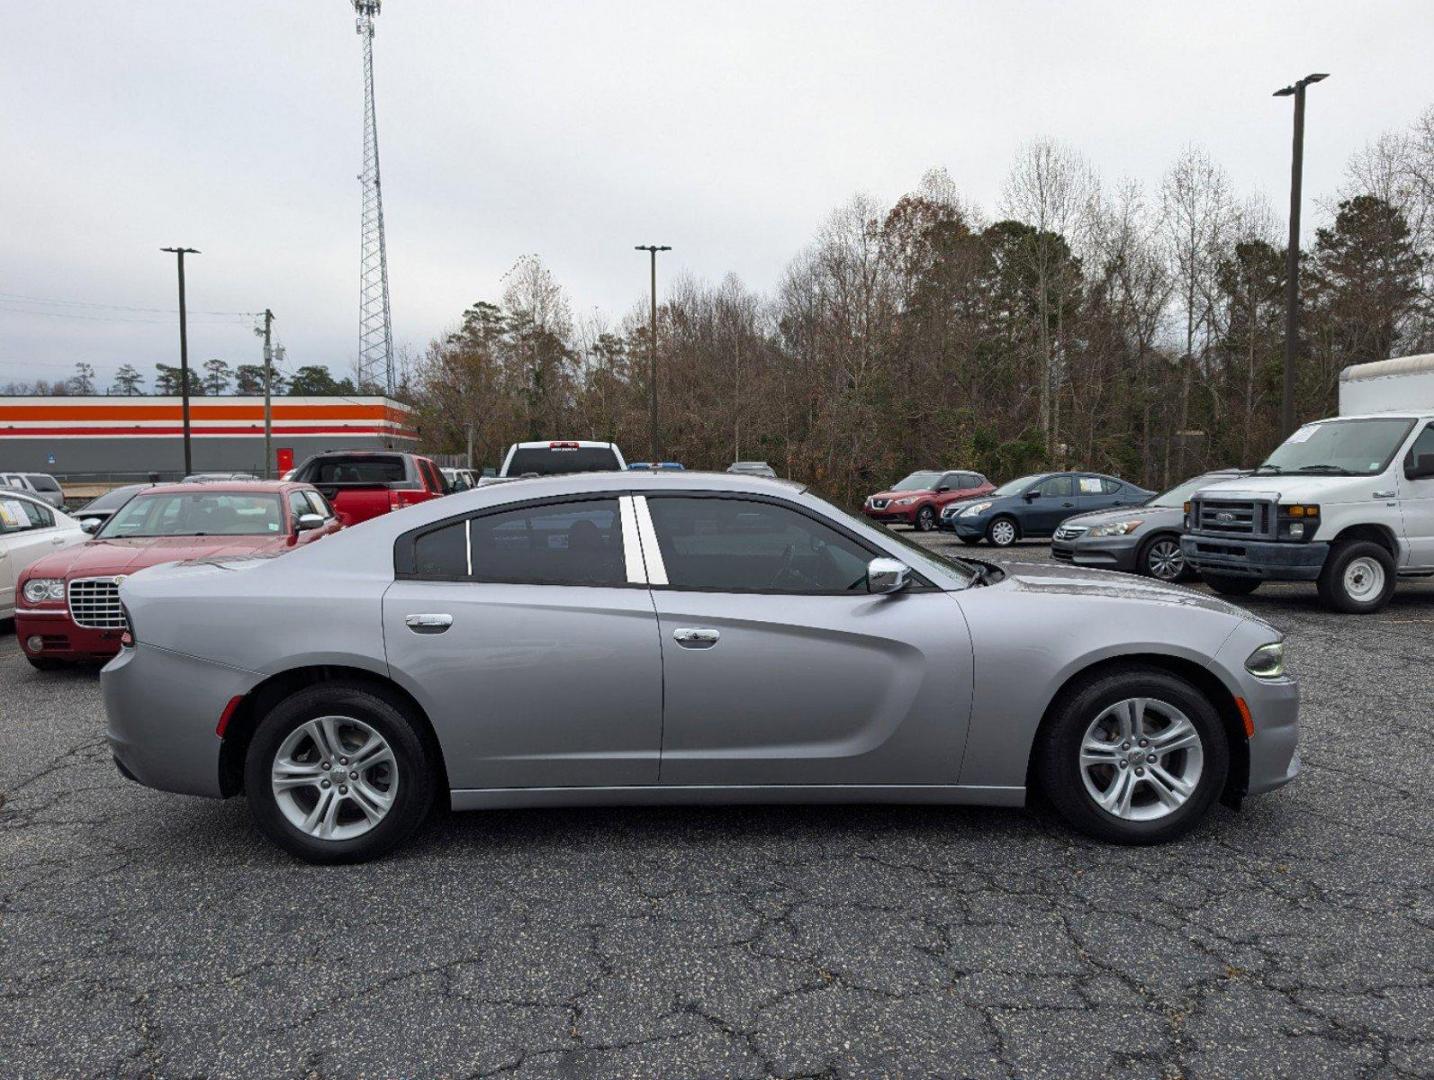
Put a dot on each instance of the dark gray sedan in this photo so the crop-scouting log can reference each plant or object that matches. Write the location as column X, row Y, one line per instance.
column 680, row 638
column 1141, row 539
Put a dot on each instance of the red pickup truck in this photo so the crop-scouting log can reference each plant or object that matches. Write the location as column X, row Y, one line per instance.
column 362, row 484
column 919, row 499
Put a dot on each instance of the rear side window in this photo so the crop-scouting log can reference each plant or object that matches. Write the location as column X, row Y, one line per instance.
column 21, row 515
column 356, row 470
column 1110, row 487
column 568, row 543
column 556, row 460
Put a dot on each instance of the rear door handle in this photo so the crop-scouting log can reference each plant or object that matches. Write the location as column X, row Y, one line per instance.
column 428, row 624
column 691, row 637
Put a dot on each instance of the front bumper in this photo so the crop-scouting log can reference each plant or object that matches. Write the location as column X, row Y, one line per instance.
column 1103, row 553
column 61, row 639
column 1264, row 559
column 163, row 708
column 887, row 515
column 1274, row 748
column 970, row 528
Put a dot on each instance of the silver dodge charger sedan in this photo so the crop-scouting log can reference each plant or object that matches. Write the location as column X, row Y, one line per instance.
column 681, row 637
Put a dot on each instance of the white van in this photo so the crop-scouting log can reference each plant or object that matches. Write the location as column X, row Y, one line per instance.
column 1346, row 502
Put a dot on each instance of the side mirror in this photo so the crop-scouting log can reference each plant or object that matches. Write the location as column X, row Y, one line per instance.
column 1421, row 469
column 887, row 576
column 307, row 522
column 943, row 487
column 1032, row 495
column 91, row 525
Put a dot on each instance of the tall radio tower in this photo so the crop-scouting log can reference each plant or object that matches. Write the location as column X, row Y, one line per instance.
column 375, row 358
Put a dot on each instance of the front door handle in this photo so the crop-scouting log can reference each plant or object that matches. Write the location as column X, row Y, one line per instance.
column 690, row 637
column 428, row 624
column 57, row 540
column 1384, row 495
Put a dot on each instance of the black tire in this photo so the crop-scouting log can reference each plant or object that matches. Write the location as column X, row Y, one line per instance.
column 44, row 663
column 1348, row 563
column 1148, row 564
column 970, row 541
column 1007, row 539
column 1057, row 754
column 415, row 771
column 925, row 519
column 1227, row 585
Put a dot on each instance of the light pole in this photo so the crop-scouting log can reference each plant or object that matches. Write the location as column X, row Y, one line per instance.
column 1292, row 254
column 653, row 249
column 180, row 253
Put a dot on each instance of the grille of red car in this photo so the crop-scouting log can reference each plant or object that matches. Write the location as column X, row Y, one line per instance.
column 95, row 603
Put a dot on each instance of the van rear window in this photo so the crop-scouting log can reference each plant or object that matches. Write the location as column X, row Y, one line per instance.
column 556, row 460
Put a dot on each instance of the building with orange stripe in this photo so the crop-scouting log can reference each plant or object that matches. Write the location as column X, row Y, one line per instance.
column 130, row 437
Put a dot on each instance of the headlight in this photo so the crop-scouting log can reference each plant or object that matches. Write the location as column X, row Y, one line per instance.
column 41, row 589
column 1268, row 661
column 976, row 508
column 1118, row 528
column 906, row 501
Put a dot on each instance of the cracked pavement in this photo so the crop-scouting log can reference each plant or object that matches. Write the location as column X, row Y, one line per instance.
column 149, row 935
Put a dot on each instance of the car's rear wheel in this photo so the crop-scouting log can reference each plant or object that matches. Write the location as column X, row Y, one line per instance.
column 1358, row 578
column 1135, row 756
column 337, row 773
column 1002, row 532
column 1230, row 585
column 925, row 519
column 1162, row 559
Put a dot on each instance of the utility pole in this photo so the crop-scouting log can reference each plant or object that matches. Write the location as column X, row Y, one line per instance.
column 1292, row 253
column 470, row 445
column 268, row 404
column 181, row 252
column 653, row 249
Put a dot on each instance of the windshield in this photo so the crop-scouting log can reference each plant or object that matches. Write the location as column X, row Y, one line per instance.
column 1354, row 447
column 200, row 514
column 917, row 481
column 1180, row 494
column 1015, row 487
column 557, row 460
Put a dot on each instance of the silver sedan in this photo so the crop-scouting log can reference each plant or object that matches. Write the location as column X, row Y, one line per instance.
column 669, row 637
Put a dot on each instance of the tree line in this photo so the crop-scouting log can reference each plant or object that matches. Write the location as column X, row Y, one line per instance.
column 1080, row 325
column 214, row 377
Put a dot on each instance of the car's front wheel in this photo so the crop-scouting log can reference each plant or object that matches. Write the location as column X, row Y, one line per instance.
column 1162, row 559
column 1134, row 756
column 336, row 773
column 925, row 519
column 1002, row 532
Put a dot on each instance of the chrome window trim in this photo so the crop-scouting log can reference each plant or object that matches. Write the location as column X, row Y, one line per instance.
column 647, row 535
column 632, row 552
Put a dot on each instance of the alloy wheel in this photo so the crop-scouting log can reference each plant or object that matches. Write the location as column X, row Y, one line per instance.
column 334, row 778
column 1165, row 560
column 1003, row 533
column 1141, row 759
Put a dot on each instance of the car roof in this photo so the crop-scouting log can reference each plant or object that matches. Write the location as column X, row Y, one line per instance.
column 235, row 487
column 538, row 487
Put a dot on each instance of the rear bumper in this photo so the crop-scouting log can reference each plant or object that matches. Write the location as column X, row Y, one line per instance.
column 1262, row 559
column 61, row 639
column 1117, row 553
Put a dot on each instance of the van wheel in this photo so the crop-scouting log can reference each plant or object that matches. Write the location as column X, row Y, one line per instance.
column 1134, row 756
column 1227, row 585
column 336, row 773
column 1358, row 578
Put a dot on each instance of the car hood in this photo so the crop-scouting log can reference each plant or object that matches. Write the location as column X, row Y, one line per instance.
column 1308, row 488
column 101, row 558
column 901, row 494
column 1079, row 581
column 1151, row 515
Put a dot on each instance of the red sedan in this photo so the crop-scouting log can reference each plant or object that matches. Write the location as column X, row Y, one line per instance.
column 67, row 605
column 919, row 499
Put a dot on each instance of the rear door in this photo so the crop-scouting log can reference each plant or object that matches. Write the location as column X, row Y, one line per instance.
column 528, row 634
column 779, row 668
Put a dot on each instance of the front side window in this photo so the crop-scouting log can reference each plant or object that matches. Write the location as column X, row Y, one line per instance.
column 736, row 545
column 1350, row 447
column 318, row 505
column 568, row 543
column 1423, row 446
column 298, row 506
column 198, row 514
column 1057, row 487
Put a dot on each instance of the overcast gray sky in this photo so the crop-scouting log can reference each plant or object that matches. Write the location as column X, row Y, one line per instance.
column 577, row 130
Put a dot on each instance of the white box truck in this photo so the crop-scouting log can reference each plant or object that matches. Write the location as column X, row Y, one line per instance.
column 1347, row 503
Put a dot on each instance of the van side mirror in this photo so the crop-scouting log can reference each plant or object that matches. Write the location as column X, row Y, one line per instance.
column 91, row 525
column 1421, row 469
column 887, row 576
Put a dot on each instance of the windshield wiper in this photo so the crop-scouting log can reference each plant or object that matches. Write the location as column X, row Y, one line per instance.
column 1274, row 469
column 1338, row 470
column 980, row 573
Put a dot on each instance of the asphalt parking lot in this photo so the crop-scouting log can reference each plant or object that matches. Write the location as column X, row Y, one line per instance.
column 151, row 935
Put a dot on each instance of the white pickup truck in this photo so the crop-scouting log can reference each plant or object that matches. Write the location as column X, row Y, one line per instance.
column 1346, row 502
column 554, row 457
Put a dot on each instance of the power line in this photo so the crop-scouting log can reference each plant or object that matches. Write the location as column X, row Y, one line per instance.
column 211, row 319
column 117, row 307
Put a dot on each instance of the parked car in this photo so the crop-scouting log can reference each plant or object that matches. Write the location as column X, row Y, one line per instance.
column 752, row 468
column 1142, row 539
column 67, row 603
column 216, row 477
column 42, row 486
column 555, row 458
column 362, row 484
column 29, row 530
column 919, row 499
column 1346, row 503
column 459, row 479
column 681, row 637
column 100, row 509
column 1033, row 506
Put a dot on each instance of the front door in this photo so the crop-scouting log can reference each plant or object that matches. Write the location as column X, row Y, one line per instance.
column 779, row 667
column 528, row 635
column 1056, row 502
column 1416, row 502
